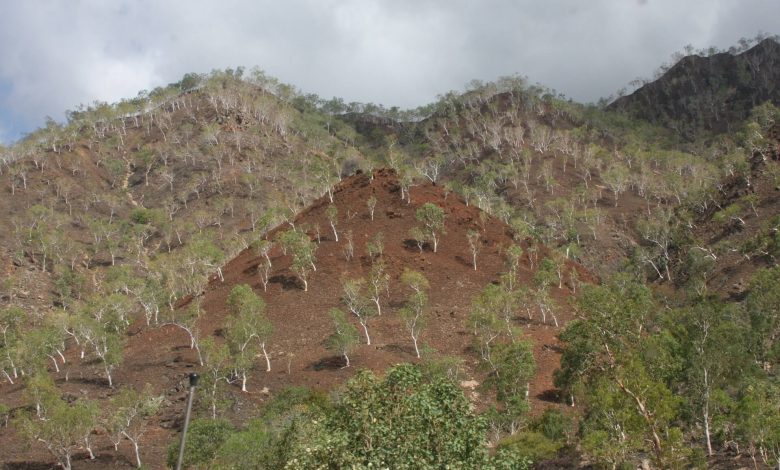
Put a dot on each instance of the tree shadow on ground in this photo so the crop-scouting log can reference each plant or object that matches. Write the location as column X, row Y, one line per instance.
column 287, row 282
column 328, row 363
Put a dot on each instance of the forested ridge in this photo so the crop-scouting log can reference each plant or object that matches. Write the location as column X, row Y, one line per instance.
column 504, row 278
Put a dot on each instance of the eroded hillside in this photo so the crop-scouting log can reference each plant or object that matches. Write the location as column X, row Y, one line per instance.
column 161, row 355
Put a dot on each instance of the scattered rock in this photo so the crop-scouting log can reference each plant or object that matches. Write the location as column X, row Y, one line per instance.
column 469, row 384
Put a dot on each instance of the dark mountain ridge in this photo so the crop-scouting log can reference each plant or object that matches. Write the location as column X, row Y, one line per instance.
column 711, row 93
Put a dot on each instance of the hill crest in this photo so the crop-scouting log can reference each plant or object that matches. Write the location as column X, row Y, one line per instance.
column 714, row 93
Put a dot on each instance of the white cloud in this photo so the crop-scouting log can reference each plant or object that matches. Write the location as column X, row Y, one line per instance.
column 56, row 55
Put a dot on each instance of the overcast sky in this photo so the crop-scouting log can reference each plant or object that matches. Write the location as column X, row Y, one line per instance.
column 55, row 55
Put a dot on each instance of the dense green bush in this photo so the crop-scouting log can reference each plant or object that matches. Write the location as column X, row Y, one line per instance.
column 553, row 424
column 532, row 445
column 204, row 438
column 406, row 420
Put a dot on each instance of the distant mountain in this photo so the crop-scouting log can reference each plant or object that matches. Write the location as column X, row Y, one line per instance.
column 712, row 93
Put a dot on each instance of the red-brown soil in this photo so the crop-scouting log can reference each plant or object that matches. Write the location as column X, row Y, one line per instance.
column 161, row 356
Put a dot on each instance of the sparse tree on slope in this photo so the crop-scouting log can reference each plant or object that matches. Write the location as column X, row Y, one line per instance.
column 375, row 247
column 332, row 213
column 345, row 335
column 616, row 177
column 379, row 282
column 64, row 429
column 11, row 319
column 130, row 411
column 216, row 358
column 304, row 259
column 418, row 236
column 473, row 238
column 371, row 203
column 302, row 249
column 358, row 303
column 500, row 302
column 247, row 326
column 349, row 247
column 486, row 323
column 414, row 311
column 513, row 258
column 263, row 248
column 432, row 218
column 187, row 320
column 40, row 390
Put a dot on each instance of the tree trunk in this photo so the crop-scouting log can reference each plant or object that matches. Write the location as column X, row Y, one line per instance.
column 200, row 356
column 56, row 367
column 706, row 412
column 88, row 446
column 267, row 360
column 365, row 328
column 707, row 430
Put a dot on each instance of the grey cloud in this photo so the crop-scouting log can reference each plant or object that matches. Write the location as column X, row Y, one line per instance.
column 55, row 55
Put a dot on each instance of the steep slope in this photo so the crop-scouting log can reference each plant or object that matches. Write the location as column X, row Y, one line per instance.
column 740, row 232
column 161, row 356
column 132, row 183
column 301, row 316
column 713, row 93
column 574, row 177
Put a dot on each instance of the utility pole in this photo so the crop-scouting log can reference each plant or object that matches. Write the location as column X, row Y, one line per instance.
column 193, row 383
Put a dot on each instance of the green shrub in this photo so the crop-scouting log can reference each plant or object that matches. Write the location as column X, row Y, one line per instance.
column 248, row 449
column 553, row 424
column 292, row 397
column 507, row 459
column 531, row 444
column 204, row 438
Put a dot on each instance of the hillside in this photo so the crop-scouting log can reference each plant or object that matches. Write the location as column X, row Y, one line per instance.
column 160, row 356
column 623, row 310
column 710, row 93
column 133, row 183
column 738, row 234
